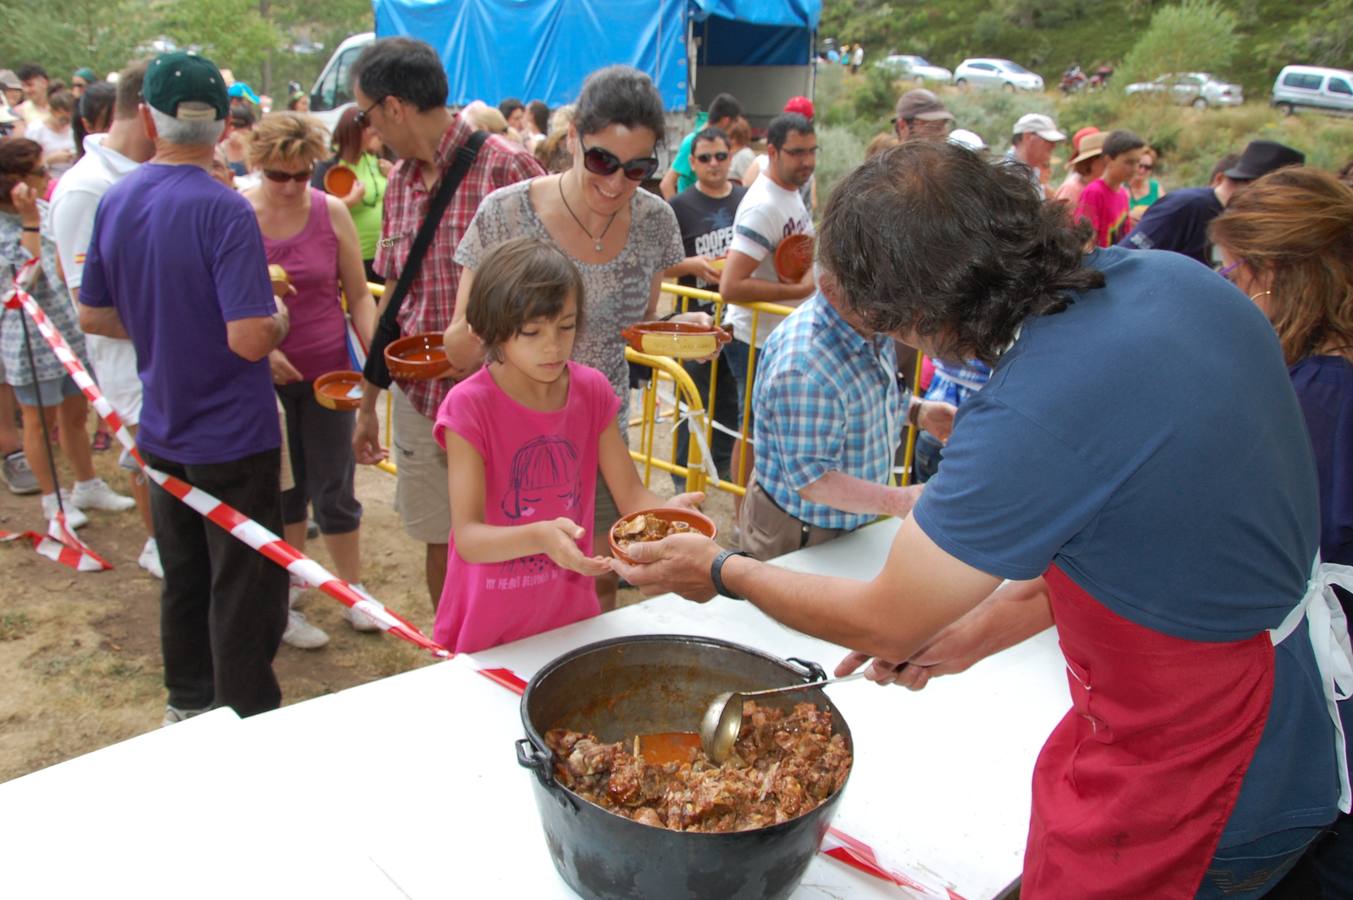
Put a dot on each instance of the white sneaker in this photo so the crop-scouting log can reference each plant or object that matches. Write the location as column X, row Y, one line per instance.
column 301, row 634
column 359, row 620
column 173, row 715
column 97, row 494
column 74, row 517
column 150, row 559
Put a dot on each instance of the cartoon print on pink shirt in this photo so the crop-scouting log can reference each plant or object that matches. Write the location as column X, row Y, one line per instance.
column 544, row 485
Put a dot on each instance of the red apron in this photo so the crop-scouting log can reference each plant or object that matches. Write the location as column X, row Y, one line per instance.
column 1134, row 786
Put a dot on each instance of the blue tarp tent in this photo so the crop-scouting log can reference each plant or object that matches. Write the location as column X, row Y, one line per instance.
column 543, row 49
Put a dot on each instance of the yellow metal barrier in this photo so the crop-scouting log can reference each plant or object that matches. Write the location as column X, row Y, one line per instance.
column 651, row 411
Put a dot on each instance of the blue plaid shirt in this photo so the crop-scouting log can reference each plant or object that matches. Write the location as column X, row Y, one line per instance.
column 826, row 399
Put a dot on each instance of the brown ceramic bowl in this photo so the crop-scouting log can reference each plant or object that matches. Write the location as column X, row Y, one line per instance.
column 678, row 340
column 339, row 180
column 700, row 524
column 794, row 257
column 339, row 390
column 418, row 357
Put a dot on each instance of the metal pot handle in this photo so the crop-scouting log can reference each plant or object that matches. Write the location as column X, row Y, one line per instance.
column 538, row 761
column 811, row 670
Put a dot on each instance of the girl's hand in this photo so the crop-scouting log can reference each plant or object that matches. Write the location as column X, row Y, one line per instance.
column 559, row 541
column 356, row 194
column 385, row 166
column 690, row 500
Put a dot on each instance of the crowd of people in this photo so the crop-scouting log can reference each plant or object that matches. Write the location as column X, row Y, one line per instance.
column 1137, row 407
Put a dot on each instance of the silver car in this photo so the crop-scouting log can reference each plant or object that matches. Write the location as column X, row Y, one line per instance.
column 1197, row 89
column 914, row 68
column 990, row 72
column 1314, row 87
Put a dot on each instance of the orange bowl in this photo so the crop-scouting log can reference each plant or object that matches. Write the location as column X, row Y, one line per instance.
column 339, row 390
column 418, row 357
column 794, row 257
column 698, row 522
column 679, row 340
column 339, row 180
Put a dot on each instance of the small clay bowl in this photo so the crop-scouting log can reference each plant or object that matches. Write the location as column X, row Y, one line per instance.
column 794, row 257
column 700, row 523
column 280, row 280
column 678, row 340
column 418, row 357
column 339, row 180
column 335, row 390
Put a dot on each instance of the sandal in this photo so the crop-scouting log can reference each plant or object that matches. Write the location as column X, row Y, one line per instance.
column 102, row 441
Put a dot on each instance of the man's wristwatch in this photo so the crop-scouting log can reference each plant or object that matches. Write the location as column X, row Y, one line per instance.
column 716, row 573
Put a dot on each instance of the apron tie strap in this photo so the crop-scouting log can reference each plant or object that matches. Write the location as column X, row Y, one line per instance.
column 1328, row 630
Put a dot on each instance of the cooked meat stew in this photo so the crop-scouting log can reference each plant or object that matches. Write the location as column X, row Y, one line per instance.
column 641, row 529
column 783, row 765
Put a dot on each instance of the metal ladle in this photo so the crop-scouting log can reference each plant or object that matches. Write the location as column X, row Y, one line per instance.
column 722, row 721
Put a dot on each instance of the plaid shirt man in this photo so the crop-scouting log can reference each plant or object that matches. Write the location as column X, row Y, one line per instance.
column 432, row 296
column 826, row 399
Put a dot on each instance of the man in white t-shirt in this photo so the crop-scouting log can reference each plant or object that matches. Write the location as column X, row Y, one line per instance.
column 771, row 211
column 108, row 157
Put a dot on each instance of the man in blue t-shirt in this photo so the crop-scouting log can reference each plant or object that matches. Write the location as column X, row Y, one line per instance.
column 1178, row 221
column 176, row 264
column 1169, row 535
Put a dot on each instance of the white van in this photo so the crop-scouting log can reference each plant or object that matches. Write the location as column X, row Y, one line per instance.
column 1314, row 87
column 332, row 92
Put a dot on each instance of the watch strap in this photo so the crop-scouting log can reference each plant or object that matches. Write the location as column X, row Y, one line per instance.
column 716, row 573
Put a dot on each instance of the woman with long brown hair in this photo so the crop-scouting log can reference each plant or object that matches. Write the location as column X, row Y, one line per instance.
column 1287, row 242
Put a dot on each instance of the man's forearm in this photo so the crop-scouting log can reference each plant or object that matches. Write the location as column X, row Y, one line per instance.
column 1015, row 612
column 856, row 495
column 103, row 321
column 759, row 290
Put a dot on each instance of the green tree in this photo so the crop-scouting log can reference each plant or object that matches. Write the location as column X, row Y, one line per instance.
column 1323, row 38
column 231, row 33
column 63, row 35
column 1195, row 35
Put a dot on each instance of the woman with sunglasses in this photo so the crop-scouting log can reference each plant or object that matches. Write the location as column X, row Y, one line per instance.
column 358, row 148
column 1143, row 186
column 1287, row 242
column 311, row 235
column 620, row 238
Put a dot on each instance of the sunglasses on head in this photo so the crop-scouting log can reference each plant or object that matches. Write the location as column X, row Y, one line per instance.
column 603, row 162
column 283, row 177
column 706, row 157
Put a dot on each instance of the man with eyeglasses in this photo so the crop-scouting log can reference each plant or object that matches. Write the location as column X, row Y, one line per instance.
column 401, row 90
column 771, row 211
column 176, row 264
column 724, row 110
column 705, row 213
column 921, row 116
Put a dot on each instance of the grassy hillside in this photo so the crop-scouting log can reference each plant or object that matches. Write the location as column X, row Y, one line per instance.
column 1048, row 36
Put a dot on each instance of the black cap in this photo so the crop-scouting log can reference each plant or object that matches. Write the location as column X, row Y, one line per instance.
column 1262, row 157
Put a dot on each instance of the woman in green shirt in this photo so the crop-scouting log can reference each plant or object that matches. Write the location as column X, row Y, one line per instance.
column 358, row 149
column 1143, row 186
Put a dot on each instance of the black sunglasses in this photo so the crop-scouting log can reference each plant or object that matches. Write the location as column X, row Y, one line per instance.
column 282, row 177
column 706, row 157
column 363, row 117
column 603, row 162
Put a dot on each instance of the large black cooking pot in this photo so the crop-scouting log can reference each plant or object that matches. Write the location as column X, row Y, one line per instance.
column 650, row 684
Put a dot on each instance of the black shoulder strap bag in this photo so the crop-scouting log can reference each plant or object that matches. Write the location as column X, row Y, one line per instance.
column 387, row 329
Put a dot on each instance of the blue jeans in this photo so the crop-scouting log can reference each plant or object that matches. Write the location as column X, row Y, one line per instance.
column 1252, row 870
column 1326, row 871
column 926, row 458
column 724, row 405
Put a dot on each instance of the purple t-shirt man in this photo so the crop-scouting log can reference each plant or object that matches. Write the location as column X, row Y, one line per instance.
column 197, row 263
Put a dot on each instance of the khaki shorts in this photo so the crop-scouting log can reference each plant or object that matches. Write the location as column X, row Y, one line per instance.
column 421, row 496
column 767, row 531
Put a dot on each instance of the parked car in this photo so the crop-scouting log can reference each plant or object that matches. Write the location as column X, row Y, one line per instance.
column 916, row 68
column 1197, row 89
column 996, row 73
column 1314, row 87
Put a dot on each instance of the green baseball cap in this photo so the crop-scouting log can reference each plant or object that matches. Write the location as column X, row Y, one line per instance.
column 176, row 78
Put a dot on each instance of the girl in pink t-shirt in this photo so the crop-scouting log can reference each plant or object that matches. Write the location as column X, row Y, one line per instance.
column 524, row 438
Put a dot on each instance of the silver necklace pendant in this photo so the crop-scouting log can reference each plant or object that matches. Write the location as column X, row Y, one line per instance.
column 597, row 246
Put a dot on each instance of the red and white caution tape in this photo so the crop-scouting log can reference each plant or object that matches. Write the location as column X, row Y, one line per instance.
column 836, row 844
column 301, row 568
column 59, row 544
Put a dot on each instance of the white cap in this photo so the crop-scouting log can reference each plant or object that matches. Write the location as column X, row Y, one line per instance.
column 1041, row 125
column 969, row 139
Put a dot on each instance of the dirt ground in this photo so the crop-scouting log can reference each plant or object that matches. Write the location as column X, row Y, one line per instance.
column 79, row 652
